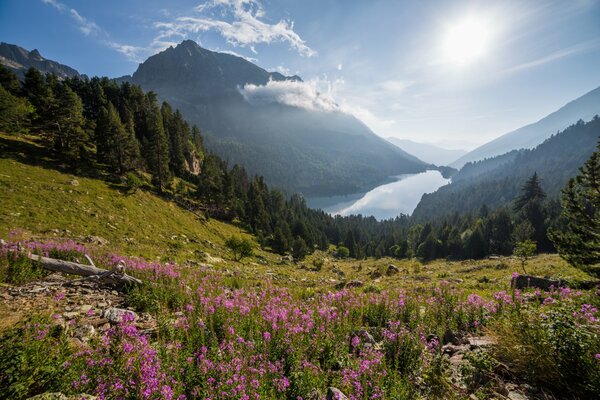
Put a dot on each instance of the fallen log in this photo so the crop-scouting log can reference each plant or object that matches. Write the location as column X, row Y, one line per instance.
column 92, row 272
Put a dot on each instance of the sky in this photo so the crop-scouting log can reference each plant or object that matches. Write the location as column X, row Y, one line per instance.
column 454, row 73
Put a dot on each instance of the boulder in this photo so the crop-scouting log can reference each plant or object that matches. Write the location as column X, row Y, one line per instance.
column 335, row 394
column 392, row 270
column 115, row 315
column 528, row 281
column 355, row 284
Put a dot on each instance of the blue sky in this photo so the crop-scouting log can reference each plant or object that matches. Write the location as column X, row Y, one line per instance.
column 457, row 73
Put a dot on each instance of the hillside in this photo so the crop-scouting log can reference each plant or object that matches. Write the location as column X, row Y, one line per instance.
column 428, row 152
column 268, row 123
column 45, row 200
column 583, row 108
column 19, row 60
column 496, row 181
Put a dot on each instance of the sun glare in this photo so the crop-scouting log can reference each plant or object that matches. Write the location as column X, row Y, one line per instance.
column 466, row 41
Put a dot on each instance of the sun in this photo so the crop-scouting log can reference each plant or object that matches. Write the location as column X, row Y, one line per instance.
column 466, row 41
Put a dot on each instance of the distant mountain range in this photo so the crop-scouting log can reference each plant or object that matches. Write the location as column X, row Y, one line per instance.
column 496, row 181
column 269, row 124
column 20, row 60
column 527, row 137
column 428, row 152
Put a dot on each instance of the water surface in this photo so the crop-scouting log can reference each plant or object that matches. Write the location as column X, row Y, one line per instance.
column 385, row 201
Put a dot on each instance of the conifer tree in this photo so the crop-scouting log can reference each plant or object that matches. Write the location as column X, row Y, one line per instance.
column 530, row 207
column 65, row 124
column 579, row 243
column 116, row 145
column 158, row 148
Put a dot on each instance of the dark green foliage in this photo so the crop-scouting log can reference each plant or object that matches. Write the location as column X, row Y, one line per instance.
column 579, row 243
column 9, row 81
column 240, row 247
column 14, row 111
column 133, row 136
column 157, row 148
column 32, row 360
column 115, row 144
column 299, row 248
column 65, row 124
column 497, row 181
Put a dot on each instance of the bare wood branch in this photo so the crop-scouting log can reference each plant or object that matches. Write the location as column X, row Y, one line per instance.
column 67, row 267
column 89, row 260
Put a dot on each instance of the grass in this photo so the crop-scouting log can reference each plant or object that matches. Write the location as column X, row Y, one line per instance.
column 42, row 200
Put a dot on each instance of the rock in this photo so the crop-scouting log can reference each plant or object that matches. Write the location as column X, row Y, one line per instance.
column 364, row 336
column 74, row 182
column 528, row 281
column 375, row 274
column 355, row 284
column 85, row 308
column 96, row 240
column 481, row 341
column 335, row 394
column 70, row 315
column 84, row 332
column 115, row 315
column 49, row 396
column 314, row 395
column 60, row 396
column 392, row 270
column 451, row 349
column 517, row 396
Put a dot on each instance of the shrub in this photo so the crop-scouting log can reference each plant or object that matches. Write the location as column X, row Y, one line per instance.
column 239, row 246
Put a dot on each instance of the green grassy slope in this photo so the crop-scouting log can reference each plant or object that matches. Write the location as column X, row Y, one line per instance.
column 46, row 201
column 40, row 200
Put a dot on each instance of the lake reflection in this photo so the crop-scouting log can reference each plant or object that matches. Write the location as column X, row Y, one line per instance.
column 385, row 201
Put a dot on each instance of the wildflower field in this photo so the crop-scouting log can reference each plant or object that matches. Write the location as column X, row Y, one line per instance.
column 220, row 337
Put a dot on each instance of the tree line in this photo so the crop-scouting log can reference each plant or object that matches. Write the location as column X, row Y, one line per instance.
column 120, row 129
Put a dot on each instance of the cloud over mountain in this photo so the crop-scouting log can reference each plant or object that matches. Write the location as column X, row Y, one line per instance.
column 304, row 95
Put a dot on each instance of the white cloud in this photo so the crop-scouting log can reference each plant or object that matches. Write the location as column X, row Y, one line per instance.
column 557, row 55
column 305, row 95
column 233, row 53
column 282, row 70
column 239, row 23
column 86, row 26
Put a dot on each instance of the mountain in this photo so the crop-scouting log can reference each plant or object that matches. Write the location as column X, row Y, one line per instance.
column 497, row 181
column 20, row 60
column 428, row 152
column 294, row 143
column 529, row 136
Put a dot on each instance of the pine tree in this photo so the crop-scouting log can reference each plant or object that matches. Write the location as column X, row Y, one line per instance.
column 14, row 111
column 158, row 148
column 9, row 81
column 579, row 243
column 530, row 207
column 116, row 145
column 65, row 124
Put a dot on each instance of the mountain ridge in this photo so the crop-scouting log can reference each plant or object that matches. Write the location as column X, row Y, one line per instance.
column 428, row 152
column 531, row 135
column 297, row 149
column 19, row 60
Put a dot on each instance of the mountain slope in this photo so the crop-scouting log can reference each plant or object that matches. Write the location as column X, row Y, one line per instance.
column 139, row 223
column 428, row 152
column 495, row 182
column 308, row 150
column 529, row 136
column 20, row 60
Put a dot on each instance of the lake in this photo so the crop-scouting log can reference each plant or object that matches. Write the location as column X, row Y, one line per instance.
column 385, row 201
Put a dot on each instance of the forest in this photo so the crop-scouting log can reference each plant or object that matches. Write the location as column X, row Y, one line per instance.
column 119, row 132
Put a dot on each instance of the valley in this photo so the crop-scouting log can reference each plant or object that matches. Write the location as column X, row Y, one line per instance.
column 242, row 199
